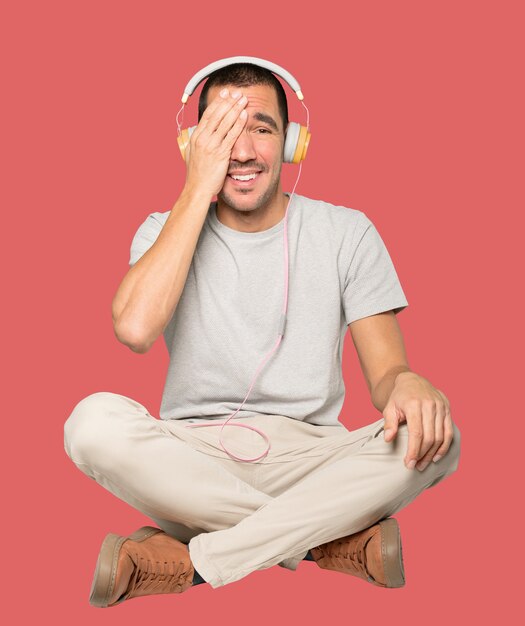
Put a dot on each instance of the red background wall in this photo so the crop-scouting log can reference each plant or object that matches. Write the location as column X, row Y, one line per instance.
column 416, row 113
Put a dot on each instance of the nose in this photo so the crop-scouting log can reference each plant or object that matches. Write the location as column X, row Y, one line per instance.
column 243, row 149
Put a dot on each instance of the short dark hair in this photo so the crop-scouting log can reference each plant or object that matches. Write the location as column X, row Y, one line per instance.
column 245, row 75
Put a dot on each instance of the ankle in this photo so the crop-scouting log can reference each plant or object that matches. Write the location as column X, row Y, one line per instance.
column 197, row 578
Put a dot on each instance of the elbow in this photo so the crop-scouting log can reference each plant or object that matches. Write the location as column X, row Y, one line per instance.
column 132, row 339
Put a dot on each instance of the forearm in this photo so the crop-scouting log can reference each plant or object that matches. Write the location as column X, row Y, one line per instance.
column 150, row 292
column 382, row 391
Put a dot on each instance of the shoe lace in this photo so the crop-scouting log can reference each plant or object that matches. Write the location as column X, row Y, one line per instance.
column 158, row 576
column 352, row 552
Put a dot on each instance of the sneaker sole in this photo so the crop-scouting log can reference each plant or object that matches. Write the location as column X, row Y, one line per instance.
column 106, row 568
column 392, row 553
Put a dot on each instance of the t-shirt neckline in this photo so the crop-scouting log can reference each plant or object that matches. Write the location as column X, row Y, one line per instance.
column 218, row 226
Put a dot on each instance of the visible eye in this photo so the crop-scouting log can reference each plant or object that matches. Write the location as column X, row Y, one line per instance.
column 264, row 130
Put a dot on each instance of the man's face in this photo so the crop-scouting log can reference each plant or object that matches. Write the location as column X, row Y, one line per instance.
column 259, row 148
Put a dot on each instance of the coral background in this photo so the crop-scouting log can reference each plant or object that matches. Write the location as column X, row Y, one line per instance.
column 416, row 113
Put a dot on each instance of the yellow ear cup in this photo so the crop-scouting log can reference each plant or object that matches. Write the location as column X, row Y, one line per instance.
column 303, row 142
column 184, row 140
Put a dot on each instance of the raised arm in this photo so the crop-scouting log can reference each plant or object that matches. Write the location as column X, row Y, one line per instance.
column 150, row 291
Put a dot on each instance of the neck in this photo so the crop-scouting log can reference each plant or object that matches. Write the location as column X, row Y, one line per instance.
column 253, row 220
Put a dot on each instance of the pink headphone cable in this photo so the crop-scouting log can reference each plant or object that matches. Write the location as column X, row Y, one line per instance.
column 280, row 336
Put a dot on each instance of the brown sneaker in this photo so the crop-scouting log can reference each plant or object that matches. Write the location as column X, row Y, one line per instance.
column 147, row 562
column 373, row 554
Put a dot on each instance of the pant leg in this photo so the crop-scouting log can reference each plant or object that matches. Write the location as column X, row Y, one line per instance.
column 366, row 483
column 115, row 441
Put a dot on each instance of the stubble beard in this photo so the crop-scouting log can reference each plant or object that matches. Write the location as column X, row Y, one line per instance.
column 232, row 199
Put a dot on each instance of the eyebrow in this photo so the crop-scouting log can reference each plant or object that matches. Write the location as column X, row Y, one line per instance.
column 267, row 119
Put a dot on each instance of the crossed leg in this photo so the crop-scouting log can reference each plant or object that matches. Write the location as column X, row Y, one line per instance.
column 233, row 528
column 115, row 441
column 340, row 498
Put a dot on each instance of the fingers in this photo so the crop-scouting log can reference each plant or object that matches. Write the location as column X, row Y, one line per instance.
column 219, row 109
column 430, row 434
column 438, row 439
column 415, row 434
column 232, row 120
column 214, row 105
column 421, row 419
column 392, row 418
column 210, row 146
column 448, row 435
column 235, row 130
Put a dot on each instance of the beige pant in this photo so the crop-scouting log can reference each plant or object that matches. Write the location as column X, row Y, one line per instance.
column 316, row 484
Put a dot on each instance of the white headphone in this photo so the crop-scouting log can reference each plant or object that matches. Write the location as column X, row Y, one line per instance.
column 297, row 137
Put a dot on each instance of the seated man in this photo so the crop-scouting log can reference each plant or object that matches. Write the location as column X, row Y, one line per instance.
column 209, row 276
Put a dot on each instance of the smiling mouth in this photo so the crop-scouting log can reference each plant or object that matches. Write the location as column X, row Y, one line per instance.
column 244, row 180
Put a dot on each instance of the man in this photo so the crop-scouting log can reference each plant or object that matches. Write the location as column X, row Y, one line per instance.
column 208, row 275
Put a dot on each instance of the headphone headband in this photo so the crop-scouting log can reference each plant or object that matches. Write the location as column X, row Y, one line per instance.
column 273, row 67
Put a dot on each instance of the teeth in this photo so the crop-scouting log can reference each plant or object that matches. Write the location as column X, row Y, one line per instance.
column 248, row 177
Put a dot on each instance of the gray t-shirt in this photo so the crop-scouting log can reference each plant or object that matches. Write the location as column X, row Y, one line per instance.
column 229, row 313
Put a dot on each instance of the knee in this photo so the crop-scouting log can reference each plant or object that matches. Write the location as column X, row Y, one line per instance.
column 443, row 467
column 89, row 427
column 451, row 459
column 449, row 463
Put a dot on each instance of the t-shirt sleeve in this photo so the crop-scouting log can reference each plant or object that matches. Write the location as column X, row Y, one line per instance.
column 144, row 238
column 372, row 285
